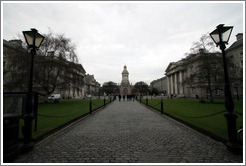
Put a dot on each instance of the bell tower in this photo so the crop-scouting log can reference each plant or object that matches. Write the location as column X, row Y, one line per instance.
column 125, row 88
column 125, row 74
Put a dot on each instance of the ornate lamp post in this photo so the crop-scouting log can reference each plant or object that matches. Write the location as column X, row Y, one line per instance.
column 33, row 40
column 221, row 37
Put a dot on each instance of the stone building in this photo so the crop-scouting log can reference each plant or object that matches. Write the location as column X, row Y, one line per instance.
column 91, row 85
column 160, row 84
column 174, row 77
column 188, row 77
column 69, row 80
column 125, row 87
column 234, row 54
column 184, row 76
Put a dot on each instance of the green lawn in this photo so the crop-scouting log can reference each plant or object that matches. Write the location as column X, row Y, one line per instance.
column 51, row 116
column 184, row 109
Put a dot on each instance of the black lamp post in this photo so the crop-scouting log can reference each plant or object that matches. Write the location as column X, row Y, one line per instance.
column 33, row 40
column 221, row 37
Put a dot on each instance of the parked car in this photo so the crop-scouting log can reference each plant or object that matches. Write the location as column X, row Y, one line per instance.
column 88, row 96
column 55, row 97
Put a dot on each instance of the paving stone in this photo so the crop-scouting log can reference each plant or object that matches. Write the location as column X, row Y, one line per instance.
column 126, row 132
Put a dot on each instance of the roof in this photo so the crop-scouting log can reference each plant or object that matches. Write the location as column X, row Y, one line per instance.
column 235, row 45
column 89, row 78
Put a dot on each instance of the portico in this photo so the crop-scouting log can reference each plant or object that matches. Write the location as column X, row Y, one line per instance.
column 175, row 74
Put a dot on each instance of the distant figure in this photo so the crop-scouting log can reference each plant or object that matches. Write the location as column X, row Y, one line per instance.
column 119, row 97
column 123, row 97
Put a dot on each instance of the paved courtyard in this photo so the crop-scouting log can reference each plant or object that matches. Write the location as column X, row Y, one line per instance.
column 129, row 132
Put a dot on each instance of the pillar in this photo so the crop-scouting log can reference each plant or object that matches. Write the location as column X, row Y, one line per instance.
column 171, row 82
column 181, row 85
column 168, row 86
column 175, row 84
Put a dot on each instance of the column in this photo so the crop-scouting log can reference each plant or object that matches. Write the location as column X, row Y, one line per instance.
column 171, row 82
column 175, row 84
column 181, row 81
column 168, row 86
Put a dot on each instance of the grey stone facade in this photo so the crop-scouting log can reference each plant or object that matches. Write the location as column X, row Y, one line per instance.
column 91, row 85
column 179, row 73
column 74, row 89
column 235, row 55
column 160, row 84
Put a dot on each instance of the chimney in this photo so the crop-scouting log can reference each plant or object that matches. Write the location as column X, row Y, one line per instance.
column 239, row 36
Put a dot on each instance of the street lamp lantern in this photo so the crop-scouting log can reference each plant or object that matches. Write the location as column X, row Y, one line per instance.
column 221, row 34
column 221, row 37
column 33, row 38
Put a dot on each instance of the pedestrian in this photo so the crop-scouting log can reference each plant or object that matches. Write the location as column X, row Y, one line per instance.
column 123, row 97
column 119, row 97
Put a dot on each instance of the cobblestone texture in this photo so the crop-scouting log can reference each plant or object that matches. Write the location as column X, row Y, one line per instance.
column 128, row 132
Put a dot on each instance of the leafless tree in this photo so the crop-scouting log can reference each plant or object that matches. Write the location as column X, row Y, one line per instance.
column 54, row 65
column 209, row 69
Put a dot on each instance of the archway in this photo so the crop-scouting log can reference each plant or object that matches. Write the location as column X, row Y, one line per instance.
column 125, row 91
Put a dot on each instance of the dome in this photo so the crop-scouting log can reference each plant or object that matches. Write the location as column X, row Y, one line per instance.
column 125, row 70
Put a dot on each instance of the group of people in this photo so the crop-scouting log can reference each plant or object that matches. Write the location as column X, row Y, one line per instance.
column 131, row 97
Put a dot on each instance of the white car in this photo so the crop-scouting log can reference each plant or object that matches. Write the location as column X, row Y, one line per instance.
column 54, row 97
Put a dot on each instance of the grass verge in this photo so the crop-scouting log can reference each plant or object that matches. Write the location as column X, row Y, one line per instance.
column 197, row 115
column 55, row 116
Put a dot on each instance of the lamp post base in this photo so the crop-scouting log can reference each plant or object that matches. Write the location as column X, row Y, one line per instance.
column 26, row 147
column 235, row 147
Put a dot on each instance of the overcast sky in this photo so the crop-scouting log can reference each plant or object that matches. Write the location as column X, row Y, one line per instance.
column 144, row 36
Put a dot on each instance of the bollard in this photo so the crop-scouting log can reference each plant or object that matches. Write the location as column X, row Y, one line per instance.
column 90, row 106
column 104, row 101
column 147, row 102
column 161, row 105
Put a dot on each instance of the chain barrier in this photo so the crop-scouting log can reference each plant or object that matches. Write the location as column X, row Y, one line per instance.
column 202, row 116
column 155, row 104
column 65, row 116
column 53, row 116
column 239, row 113
column 96, row 105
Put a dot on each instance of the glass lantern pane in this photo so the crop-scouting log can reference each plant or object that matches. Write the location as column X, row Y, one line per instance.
column 226, row 34
column 29, row 37
column 216, row 38
column 39, row 40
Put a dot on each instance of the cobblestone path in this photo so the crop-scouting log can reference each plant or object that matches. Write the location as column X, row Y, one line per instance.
column 129, row 132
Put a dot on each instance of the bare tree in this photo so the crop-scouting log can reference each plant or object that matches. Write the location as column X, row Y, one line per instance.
column 209, row 66
column 141, row 87
column 110, row 88
column 54, row 65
